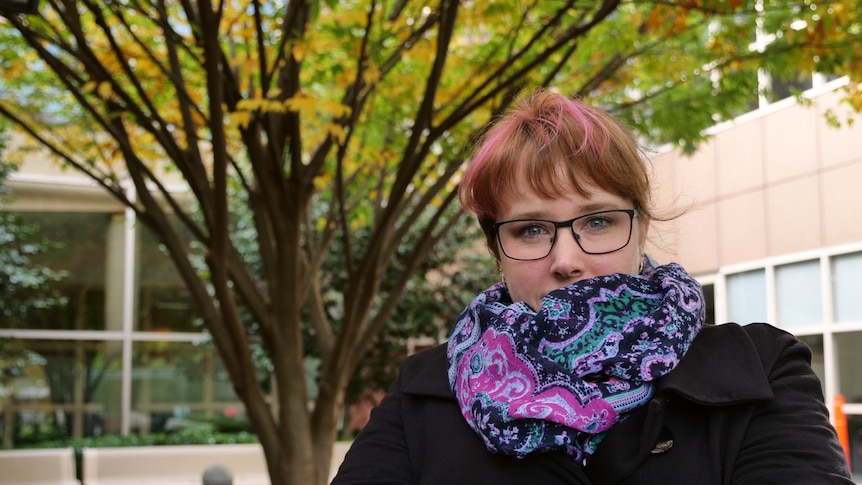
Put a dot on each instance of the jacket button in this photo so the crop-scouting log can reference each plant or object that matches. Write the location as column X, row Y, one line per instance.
column 662, row 447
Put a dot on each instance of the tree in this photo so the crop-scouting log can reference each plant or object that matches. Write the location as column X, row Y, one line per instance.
column 23, row 284
column 346, row 124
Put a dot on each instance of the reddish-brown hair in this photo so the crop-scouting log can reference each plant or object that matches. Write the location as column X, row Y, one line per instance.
column 555, row 144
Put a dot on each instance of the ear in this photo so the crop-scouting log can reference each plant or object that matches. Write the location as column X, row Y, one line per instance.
column 642, row 234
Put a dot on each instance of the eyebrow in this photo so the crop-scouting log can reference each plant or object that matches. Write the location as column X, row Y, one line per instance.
column 583, row 210
column 598, row 207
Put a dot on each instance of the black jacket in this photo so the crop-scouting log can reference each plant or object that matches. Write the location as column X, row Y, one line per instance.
column 742, row 407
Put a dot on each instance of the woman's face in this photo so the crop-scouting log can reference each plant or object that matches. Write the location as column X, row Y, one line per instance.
column 530, row 281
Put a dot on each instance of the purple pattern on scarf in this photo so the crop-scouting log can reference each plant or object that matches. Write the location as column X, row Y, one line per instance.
column 561, row 377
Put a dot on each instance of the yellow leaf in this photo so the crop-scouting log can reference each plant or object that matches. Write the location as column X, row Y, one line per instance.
column 239, row 119
column 300, row 102
column 272, row 106
column 249, row 104
column 336, row 131
column 335, row 108
column 352, row 17
column 322, row 181
column 371, row 74
column 298, row 50
column 105, row 89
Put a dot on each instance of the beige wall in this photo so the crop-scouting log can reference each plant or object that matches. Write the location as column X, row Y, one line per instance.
column 43, row 184
column 773, row 182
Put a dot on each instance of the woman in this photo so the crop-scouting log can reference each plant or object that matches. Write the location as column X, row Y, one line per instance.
column 588, row 363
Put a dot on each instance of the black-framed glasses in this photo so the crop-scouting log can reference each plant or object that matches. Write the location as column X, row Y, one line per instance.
column 597, row 233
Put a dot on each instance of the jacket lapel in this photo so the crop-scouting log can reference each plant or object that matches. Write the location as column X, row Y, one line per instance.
column 428, row 376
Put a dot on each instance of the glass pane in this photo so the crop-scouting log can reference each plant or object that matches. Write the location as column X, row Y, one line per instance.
column 815, row 343
column 164, row 304
column 847, row 287
column 54, row 389
column 784, row 87
column 847, row 347
column 709, row 303
column 178, row 384
column 798, row 294
column 75, row 248
column 746, row 297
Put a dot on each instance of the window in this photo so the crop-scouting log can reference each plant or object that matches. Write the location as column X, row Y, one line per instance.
column 177, row 384
column 847, row 347
column 164, row 303
column 847, row 287
column 784, row 87
column 75, row 246
column 854, row 432
column 709, row 303
column 798, row 294
column 746, row 297
column 818, row 363
column 60, row 389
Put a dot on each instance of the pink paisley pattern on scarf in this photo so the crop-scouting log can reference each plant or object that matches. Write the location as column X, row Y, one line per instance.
column 504, row 377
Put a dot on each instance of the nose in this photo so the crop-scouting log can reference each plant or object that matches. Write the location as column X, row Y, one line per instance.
column 567, row 257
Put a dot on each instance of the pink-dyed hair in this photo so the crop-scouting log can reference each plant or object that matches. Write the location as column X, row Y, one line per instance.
column 555, row 144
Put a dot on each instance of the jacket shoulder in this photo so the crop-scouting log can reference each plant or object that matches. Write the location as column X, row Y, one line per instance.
column 426, row 373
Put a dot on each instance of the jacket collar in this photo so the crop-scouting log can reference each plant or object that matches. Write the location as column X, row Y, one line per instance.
column 722, row 366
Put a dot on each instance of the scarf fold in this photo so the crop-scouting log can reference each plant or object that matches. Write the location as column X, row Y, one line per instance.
column 560, row 378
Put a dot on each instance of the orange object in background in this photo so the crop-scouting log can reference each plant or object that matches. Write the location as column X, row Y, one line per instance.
column 841, row 426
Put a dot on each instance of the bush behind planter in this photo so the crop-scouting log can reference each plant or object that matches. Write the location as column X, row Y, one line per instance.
column 188, row 436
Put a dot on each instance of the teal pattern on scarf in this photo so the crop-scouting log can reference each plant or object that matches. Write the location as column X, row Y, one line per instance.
column 560, row 378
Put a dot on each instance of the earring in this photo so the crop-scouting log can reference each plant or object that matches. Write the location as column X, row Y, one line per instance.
column 641, row 268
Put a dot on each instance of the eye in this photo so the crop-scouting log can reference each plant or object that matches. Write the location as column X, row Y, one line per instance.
column 533, row 230
column 527, row 231
column 597, row 223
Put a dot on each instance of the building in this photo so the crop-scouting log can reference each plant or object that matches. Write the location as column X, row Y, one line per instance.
column 772, row 227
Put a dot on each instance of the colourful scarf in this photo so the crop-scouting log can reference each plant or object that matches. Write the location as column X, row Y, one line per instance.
column 559, row 379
